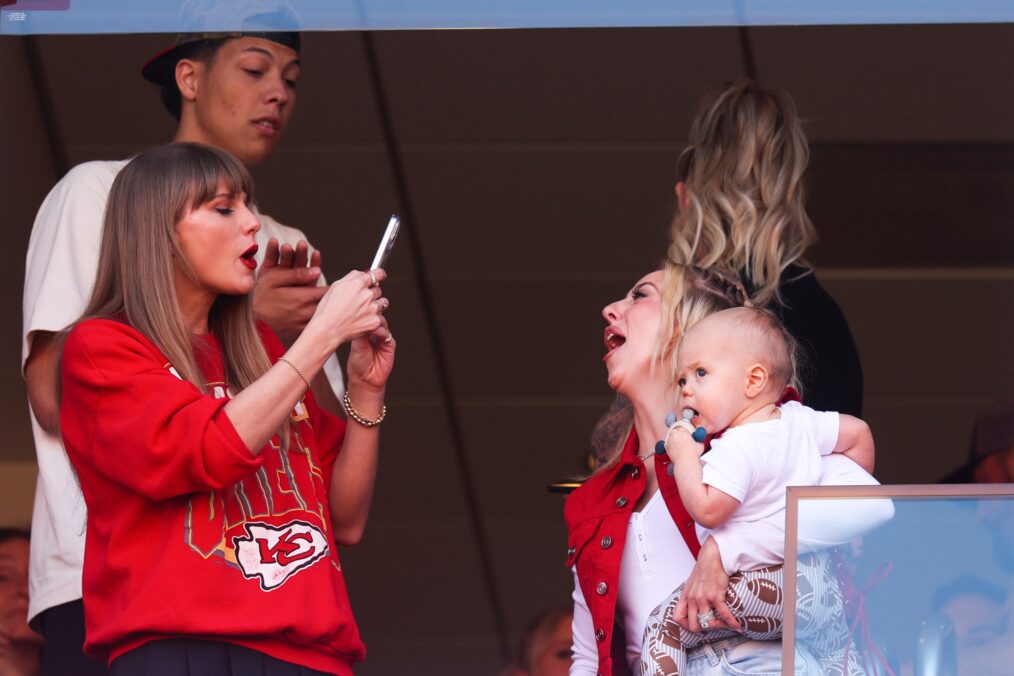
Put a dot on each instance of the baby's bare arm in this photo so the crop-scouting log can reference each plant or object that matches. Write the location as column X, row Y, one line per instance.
column 706, row 504
column 855, row 441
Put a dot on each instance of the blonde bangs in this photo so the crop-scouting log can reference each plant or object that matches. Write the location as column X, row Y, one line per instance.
column 139, row 251
column 219, row 171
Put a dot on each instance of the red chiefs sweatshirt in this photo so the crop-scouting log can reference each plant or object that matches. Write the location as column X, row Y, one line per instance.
column 189, row 533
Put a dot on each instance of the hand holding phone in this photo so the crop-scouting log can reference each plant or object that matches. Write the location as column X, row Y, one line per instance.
column 386, row 243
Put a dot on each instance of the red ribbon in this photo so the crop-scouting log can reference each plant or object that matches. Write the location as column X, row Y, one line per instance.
column 861, row 622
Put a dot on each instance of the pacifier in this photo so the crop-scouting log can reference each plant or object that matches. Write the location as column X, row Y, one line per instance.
column 698, row 434
column 671, row 422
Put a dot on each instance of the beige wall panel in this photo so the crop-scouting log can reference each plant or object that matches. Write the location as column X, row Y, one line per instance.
column 518, row 447
column 417, row 581
column 556, row 211
column 340, row 198
column 335, row 102
column 450, row 656
column 17, row 486
column 895, row 83
column 913, row 205
column 414, row 381
column 935, row 351
column 26, row 175
column 933, row 335
column 526, row 337
column 921, row 440
column 552, row 85
column 97, row 90
column 418, row 475
column 530, row 556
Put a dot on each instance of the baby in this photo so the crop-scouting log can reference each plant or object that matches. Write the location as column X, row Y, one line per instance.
column 732, row 369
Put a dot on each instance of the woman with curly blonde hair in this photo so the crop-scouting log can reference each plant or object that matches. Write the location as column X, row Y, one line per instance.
column 741, row 206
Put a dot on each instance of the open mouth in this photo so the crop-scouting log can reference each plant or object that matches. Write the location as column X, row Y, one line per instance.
column 267, row 124
column 613, row 338
column 248, row 257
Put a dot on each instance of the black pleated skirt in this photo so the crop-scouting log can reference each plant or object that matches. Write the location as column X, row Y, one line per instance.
column 191, row 657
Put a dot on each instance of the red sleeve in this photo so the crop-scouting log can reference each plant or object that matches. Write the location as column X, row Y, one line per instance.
column 125, row 414
column 328, row 429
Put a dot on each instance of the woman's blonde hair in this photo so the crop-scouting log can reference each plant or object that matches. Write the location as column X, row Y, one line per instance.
column 139, row 251
column 743, row 170
column 689, row 294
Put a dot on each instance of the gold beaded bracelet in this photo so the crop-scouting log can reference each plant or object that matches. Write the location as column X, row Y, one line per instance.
column 298, row 372
column 359, row 417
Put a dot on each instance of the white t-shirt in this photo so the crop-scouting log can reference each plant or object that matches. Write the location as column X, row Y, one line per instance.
column 754, row 463
column 656, row 560
column 60, row 269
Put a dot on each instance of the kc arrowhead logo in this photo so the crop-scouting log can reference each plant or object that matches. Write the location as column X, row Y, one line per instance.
column 275, row 554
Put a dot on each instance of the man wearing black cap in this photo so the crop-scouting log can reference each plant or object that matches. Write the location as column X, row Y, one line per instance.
column 251, row 89
column 236, row 92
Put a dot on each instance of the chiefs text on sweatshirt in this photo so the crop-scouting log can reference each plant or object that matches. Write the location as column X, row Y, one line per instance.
column 189, row 533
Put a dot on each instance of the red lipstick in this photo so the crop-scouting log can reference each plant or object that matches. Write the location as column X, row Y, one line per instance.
column 248, row 257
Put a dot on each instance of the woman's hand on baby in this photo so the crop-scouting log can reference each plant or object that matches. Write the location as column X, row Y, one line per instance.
column 705, row 590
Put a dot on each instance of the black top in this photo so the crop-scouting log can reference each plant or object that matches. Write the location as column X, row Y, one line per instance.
column 830, row 372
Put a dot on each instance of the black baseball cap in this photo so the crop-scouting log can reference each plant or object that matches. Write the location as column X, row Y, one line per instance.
column 160, row 69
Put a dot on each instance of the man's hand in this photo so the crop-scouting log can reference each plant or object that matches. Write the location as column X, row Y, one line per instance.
column 286, row 293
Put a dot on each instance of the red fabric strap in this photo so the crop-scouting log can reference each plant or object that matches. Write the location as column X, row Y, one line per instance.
column 671, row 494
column 673, row 502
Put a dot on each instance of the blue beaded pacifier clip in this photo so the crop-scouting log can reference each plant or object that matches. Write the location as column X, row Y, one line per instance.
column 698, row 434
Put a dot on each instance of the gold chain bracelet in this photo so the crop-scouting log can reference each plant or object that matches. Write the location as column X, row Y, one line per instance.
column 359, row 417
column 298, row 372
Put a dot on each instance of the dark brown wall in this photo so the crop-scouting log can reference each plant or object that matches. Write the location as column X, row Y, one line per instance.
column 538, row 165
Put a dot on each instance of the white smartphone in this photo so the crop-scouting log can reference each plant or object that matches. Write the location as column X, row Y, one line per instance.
column 386, row 243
